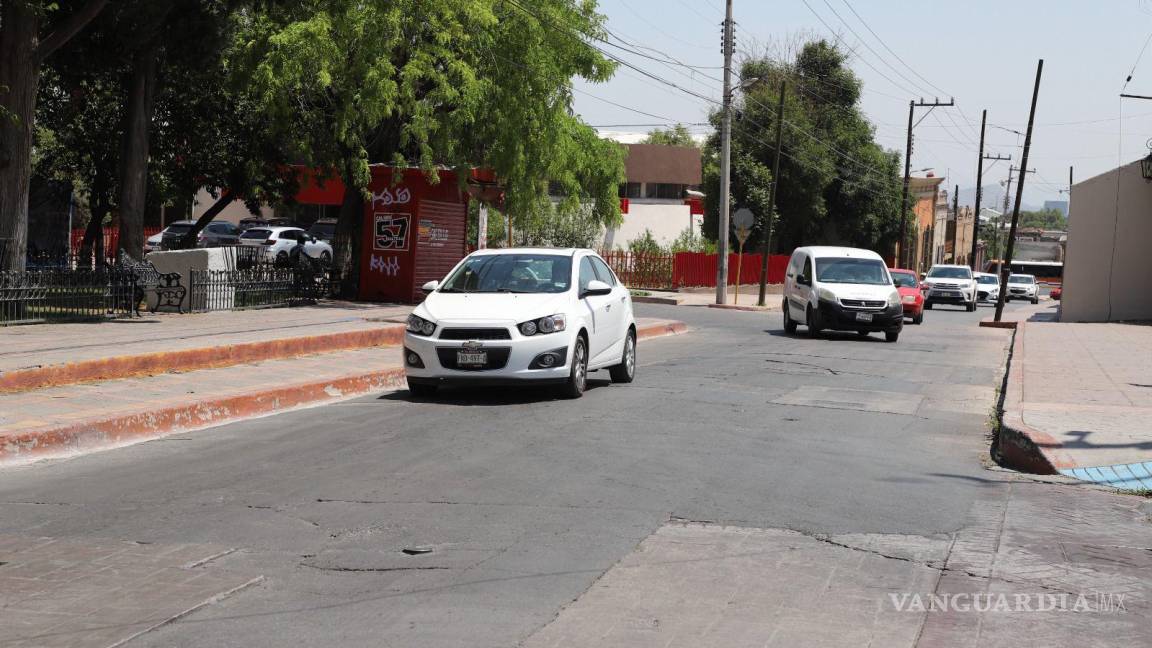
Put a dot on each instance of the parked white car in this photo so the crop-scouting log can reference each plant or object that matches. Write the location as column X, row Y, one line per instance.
column 949, row 284
column 987, row 287
column 841, row 289
column 1023, row 286
column 522, row 315
column 279, row 243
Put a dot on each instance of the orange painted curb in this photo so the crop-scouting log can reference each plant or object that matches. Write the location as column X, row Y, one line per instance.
column 192, row 359
column 661, row 329
column 129, row 428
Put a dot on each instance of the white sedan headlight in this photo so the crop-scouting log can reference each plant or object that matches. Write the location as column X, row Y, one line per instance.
column 544, row 325
column 420, row 326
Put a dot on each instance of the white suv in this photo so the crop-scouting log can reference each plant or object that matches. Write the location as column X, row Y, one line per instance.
column 950, row 284
column 280, row 242
column 1023, row 286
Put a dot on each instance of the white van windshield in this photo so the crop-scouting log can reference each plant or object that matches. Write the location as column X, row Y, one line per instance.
column 848, row 270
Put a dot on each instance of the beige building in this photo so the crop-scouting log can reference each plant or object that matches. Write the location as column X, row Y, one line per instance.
column 1108, row 268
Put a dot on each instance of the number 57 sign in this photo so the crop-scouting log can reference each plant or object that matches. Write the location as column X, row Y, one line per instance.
column 391, row 232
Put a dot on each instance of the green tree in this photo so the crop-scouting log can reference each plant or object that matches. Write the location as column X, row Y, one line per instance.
column 453, row 83
column 1049, row 219
column 836, row 184
column 678, row 135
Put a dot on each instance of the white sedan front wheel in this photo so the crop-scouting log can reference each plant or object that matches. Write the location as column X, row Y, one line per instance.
column 625, row 372
column 578, row 375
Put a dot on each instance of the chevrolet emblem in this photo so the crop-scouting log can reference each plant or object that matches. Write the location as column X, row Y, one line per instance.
column 473, row 345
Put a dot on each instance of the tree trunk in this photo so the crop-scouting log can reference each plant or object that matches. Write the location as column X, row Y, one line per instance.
column 134, row 161
column 19, row 79
column 226, row 198
column 21, row 52
column 346, row 240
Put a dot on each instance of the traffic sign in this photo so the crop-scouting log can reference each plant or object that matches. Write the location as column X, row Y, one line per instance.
column 743, row 218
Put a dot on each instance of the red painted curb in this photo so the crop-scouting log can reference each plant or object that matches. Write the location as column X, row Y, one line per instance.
column 200, row 358
column 129, row 428
column 660, row 329
column 1020, row 445
column 109, row 432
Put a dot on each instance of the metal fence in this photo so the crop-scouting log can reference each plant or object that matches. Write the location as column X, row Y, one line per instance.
column 260, row 286
column 66, row 295
column 642, row 270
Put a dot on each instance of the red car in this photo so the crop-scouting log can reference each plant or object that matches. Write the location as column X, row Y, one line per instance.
column 1056, row 293
column 909, row 287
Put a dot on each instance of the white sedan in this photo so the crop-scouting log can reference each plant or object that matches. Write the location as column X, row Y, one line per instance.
column 515, row 316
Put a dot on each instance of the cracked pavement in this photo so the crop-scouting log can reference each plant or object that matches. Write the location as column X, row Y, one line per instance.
column 749, row 489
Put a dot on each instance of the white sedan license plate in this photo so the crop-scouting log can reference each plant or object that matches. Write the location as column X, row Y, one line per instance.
column 474, row 359
column 863, row 317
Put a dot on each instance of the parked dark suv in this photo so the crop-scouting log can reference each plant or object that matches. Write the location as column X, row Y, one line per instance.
column 215, row 234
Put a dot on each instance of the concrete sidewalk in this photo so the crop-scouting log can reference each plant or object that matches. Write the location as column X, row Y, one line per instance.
column 1079, row 402
column 42, row 356
column 745, row 300
column 74, row 417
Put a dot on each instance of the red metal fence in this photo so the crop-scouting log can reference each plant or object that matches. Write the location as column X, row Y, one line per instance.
column 111, row 239
column 689, row 269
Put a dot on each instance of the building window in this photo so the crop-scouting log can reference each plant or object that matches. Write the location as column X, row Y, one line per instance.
column 630, row 190
column 664, row 190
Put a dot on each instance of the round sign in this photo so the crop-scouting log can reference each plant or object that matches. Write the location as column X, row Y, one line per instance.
column 743, row 218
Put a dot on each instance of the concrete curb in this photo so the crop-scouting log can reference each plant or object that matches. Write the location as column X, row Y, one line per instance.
column 666, row 301
column 125, row 429
column 1021, row 446
column 200, row 358
column 738, row 307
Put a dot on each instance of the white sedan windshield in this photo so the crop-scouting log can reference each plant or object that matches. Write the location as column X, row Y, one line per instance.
column 511, row 273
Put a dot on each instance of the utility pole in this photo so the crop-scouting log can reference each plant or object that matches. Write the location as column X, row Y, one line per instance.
column 1000, row 222
column 979, row 189
column 725, row 164
column 772, row 196
column 955, row 224
column 1019, row 193
column 912, row 106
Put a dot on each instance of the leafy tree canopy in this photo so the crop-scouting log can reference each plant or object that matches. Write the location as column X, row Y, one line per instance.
column 836, row 184
column 678, row 135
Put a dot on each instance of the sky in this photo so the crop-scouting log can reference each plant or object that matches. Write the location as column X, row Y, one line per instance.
column 983, row 53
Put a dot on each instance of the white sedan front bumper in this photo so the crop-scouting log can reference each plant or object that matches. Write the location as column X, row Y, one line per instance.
column 507, row 360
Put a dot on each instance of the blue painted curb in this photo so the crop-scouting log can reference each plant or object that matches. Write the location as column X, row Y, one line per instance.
column 1136, row 476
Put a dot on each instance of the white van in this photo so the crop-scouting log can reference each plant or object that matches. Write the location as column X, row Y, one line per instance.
column 841, row 289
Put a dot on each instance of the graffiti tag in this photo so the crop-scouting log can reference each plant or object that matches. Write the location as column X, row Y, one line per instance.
column 388, row 266
column 399, row 196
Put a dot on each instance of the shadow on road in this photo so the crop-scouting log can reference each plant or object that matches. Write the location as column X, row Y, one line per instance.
column 491, row 396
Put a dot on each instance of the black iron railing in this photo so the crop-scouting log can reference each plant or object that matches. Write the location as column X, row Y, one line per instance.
column 66, row 295
column 260, row 286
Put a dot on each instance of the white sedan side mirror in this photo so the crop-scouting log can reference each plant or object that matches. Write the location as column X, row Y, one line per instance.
column 596, row 287
column 430, row 286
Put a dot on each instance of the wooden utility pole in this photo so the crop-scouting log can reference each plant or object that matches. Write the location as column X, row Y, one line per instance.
column 1019, row 194
column 772, row 196
column 901, row 249
column 980, row 189
column 955, row 224
column 725, row 164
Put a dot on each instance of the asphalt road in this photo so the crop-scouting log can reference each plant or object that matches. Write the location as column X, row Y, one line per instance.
column 525, row 500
